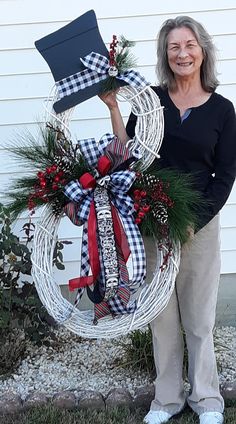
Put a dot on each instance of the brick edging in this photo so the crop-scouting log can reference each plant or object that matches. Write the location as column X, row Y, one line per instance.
column 13, row 404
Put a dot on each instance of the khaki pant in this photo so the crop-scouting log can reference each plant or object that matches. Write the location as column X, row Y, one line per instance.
column 193, row 305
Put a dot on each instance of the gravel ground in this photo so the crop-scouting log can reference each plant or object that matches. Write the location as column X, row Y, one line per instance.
column 75, row 364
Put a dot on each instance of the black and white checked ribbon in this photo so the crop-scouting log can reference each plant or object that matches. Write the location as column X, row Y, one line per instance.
column 118, row 186
column 97, row 69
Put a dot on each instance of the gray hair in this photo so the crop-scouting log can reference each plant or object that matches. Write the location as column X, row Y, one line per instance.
column 208, row 68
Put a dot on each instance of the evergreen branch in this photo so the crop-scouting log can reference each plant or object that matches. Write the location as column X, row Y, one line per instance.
column 19, row 203
column 186, row 204
column 179, row 205
column 126, row 61
column 124, row 43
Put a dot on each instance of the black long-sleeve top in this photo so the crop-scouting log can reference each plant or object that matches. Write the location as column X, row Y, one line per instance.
column 203, row 144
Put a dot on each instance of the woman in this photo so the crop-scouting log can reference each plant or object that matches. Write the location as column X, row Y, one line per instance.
column 200, row 138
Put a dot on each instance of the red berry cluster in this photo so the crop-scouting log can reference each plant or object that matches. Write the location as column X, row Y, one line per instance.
column 158, row 194
column 140, row 205
column 112, row 52
column 51, row 179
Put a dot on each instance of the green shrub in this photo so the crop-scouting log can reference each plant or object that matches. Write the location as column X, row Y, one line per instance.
column 138, row 351
column 21, row 311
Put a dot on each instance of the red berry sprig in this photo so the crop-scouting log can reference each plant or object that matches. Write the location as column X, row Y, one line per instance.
column 112, row 52
column 50, row 179
column 140, row 206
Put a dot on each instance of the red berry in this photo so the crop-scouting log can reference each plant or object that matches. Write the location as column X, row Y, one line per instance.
column 43, row 183
column 146, row 208
column 143, row 193
column 57, row 178
column 141, row 214
column 40, row 174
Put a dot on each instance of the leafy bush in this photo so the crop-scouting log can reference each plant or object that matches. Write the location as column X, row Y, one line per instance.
column 21, row 311
column 12, row 350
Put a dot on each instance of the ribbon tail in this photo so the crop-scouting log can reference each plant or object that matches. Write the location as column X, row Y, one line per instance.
column 71, row 210
column 93, row 254
column 120, row 235
column 80, row 282
column 137, row 251
column 119, row 303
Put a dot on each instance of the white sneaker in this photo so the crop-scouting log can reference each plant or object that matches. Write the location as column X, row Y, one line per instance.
column 157, row 417
column 211, row 418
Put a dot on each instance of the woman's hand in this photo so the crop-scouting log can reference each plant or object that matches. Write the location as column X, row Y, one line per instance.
column 109, row 98
column 118, row 126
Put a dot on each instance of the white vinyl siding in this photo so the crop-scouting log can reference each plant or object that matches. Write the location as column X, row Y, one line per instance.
column 25, row 79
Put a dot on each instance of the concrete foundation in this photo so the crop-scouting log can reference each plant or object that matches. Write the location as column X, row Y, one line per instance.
column 226, row 306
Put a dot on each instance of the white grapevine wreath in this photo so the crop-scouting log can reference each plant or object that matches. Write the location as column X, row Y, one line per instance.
column 152, row 297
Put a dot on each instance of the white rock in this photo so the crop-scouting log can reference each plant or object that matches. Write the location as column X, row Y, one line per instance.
column 90, row 364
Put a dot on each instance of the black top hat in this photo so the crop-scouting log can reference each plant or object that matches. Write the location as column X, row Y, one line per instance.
column 62, row 51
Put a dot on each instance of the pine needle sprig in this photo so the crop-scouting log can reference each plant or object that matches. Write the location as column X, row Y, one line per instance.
column 39, row 155
column 186, row 203
column 24, row 183
column 31, row 153
column 124, row 43
column 124, row 58
column 40, row 152
column 126, row 61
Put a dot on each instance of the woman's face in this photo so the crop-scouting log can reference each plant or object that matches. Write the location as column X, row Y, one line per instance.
column 184, row 54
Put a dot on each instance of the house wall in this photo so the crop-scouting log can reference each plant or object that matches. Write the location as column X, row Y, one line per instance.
column 25, row 80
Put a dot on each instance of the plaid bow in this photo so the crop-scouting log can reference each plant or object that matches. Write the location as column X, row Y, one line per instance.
column 118, row 185
column 97, row 67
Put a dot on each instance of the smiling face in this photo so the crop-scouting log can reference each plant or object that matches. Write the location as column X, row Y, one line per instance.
column 184, row 54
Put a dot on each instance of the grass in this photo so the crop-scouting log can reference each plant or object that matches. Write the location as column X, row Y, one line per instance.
column 52, row 415
column 138, row 352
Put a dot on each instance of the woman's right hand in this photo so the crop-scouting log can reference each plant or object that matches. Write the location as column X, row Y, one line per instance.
column 118, row 127
column 109, row 98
